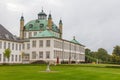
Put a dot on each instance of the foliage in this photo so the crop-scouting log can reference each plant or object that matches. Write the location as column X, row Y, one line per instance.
column 116, row 54
column 116, row 50
column 7, row 53
column 101, row 55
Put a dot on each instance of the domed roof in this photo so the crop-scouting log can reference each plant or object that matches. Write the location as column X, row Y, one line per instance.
column 39, row 25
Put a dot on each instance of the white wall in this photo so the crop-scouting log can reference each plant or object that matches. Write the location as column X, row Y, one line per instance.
column 13, row 52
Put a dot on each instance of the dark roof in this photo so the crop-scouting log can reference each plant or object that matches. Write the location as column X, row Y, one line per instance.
column 6, row 35
column 42, row 13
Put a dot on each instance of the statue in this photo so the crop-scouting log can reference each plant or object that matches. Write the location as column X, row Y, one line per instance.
column 48, row 67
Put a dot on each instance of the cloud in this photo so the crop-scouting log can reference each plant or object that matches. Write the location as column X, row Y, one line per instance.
column 95, row 23
column 14, row 7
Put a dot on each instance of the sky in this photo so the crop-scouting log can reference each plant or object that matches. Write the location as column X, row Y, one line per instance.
column 94, row 23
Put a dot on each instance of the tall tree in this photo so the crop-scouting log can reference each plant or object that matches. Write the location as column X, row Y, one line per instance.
column 7, row 53
column 116, row 50
column 89, row 56
column 87, row 53
column 102, row 54
column 116, row 54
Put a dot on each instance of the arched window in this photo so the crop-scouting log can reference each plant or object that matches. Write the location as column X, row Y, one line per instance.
column 41, row 26
column 30, row 25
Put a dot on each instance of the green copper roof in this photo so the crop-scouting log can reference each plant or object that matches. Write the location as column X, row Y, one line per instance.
column 45, row 33
column 75, row 41
column 39, row 25
column 36, row 25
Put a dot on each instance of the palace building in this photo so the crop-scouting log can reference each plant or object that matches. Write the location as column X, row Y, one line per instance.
column 40, row 40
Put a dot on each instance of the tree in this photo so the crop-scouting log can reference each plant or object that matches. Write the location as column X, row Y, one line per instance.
column 7, row 53
column 116, row 50
column 102, row 54
column 90, row 56
column 116, row 54
column 87, row 53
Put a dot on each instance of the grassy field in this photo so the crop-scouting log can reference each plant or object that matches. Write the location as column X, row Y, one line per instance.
column 63, row 72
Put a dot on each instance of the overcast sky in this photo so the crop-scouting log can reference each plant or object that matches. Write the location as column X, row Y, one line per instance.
column 95, row 23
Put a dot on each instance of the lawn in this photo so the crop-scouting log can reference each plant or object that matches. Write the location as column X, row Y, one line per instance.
column 62, row 72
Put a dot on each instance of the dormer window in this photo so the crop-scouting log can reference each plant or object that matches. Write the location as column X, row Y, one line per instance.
column 41, row 25
column 30, row 26
column 7, row 36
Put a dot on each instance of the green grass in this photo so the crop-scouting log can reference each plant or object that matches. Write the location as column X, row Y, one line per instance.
column 64, row 72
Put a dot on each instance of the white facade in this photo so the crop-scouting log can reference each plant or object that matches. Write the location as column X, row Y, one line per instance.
column 45, row 49
column 16, row 49
column 40, row 40
column 58, row 48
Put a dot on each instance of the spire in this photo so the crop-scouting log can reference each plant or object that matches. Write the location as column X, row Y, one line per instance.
column 50, row 16
column 42, row 9
column 22, row 18
column 60, row 22
column 60, row 27
column 50, row 21
column 74, row 37
column 22, row 27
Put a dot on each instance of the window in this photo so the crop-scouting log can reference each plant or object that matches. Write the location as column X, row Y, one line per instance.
column 19, row 46
column 33, row 43
column 30, row 26
column 4, row 58
column 16, row 58
column 16, row 46
column 19, row 57
column 0, row 57
column 30, row 34
column 4, row 45
column 41, row 54
column 48, row 43
column 33, row 55
column 23, row 47
column 35, row 33
column 12, row 57
column 58, row 44
column 41, row 25
column 24, row 34
column 28, row 46
column 0, row 44
column 9, row 45
column 48, row 54
column 12, row 46
column 41, row 43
